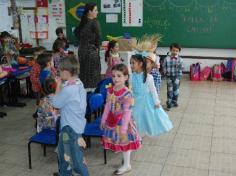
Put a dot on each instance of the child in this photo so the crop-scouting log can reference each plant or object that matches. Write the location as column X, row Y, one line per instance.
column 47, row 115
column 153, row 69
column 61, row 37
column 120, row 134
column 9, row 48
column 58, row 52
column 47, row 69
column 112, row 57
column 172, row 68
column 149, row 116
column 70, row 99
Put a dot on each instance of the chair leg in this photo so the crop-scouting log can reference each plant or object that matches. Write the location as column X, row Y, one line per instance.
column 29, row 155
column 105, row 156
column 44, row 150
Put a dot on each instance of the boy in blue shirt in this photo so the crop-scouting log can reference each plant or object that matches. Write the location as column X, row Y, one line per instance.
column 172, row 68
column 70, row 99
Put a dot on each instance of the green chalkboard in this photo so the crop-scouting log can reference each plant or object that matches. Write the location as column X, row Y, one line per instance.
column 192, row 23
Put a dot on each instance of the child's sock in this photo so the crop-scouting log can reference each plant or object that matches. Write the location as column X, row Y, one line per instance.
column 126, row 164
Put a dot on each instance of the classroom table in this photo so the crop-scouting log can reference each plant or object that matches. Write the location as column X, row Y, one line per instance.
column 13, row 85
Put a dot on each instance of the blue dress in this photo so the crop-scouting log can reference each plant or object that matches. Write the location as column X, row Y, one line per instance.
column 150, row 120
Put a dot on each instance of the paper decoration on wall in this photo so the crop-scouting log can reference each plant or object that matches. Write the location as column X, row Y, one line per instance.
column 57, row 12
column 110, row 6
column 132, row 13
column 42, row 3
column 41, row 21
column 111, row 18
column 77, row 11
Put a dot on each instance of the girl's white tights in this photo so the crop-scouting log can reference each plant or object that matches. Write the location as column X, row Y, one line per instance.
column 126, row 158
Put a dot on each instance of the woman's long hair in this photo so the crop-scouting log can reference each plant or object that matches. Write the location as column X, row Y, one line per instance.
column 84, row 19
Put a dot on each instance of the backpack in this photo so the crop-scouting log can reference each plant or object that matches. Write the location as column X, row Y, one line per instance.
column 205, row 73
column 195, row 72
column 233, row 76
column 216, row 73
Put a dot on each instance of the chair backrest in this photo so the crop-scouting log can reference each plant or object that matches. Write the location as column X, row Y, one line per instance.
column 102, row 87
column 96, row 101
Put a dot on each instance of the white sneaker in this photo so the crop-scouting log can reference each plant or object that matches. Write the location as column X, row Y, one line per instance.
column 122, row 171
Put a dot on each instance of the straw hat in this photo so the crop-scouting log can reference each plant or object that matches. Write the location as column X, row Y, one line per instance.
column 152, row 57
column 147, row 43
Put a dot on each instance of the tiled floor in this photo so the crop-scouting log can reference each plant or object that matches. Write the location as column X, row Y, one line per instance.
column 202, row 143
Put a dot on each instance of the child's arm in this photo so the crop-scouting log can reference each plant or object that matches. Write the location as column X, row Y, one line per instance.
column 164, row 66
column 152, row 89
column 61, row 96
column 181, row 65
column 105, row 113
column 126, row 113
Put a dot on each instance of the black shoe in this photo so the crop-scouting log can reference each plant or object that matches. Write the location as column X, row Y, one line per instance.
column 175, row 105
column 2, row 114
column 55, row 174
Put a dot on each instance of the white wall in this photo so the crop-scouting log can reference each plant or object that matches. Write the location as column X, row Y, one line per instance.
column 227, row 53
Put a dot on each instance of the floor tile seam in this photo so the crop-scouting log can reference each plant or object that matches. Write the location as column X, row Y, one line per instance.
column 174, row 137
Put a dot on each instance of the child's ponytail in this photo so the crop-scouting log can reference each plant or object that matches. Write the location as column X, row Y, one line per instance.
column 111, row 45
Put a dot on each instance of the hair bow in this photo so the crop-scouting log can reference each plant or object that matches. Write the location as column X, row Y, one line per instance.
column 143, row 53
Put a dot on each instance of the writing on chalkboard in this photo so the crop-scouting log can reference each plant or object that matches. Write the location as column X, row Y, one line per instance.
column 156, row 23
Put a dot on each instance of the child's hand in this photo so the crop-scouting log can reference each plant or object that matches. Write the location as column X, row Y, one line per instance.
column 158, row 105
column 102, row 126
column 81, row 142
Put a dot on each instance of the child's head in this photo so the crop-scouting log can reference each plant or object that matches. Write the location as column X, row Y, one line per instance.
column 45, row 60
column 151, row 61
column 175, row 49
column 69, row 67
column 49, row 86
column 5, row 36
column 38, row 50
column 138, row 64
column 120, row 75
column 59, row 33
column 113, row 46
column 58, row 46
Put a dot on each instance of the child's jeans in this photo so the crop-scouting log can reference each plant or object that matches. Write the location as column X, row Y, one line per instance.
column 173, row 83
column 70, row 154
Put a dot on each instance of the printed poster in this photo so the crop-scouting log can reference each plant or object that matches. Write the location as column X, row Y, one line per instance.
column 132, row 13
column 57, row 12
column 110, row 6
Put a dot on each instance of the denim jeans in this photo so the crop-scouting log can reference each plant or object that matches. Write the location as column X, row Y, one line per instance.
column 172, row 89
column 70, row 154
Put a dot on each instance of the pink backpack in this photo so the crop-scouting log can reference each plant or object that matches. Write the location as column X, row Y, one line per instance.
column 217, row 73
column 205, row 73
column 195, row 72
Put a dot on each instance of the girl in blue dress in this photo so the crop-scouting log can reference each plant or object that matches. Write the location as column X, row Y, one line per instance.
column 150, row 118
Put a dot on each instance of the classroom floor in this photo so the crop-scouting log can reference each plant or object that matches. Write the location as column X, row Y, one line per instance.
column 202, row 143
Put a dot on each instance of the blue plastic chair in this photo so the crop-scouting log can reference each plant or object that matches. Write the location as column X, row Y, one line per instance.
column 102, row 87
column 47, row 137
column 92, row 129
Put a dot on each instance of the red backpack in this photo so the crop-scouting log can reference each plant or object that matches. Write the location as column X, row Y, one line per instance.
column 217, row 73
column 206, row 73
column 195, row 72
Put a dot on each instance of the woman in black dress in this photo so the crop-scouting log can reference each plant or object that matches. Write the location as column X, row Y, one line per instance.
column 88, row 33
